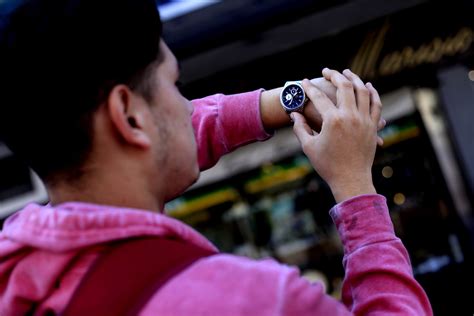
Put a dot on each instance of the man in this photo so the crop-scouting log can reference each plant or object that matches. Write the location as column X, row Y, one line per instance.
column 90, row 103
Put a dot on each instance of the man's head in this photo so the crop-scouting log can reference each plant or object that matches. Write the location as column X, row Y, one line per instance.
column 62, row 61
column 59, row 60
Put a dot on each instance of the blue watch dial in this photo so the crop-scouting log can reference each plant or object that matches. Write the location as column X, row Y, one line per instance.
column 292, row 96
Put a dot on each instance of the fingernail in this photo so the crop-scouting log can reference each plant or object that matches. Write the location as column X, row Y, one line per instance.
column 292, row 116
column 368, row 84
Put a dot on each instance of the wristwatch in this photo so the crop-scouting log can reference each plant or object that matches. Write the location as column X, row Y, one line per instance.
column 292, row 97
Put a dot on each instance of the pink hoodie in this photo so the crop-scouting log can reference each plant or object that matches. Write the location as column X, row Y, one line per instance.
column 44, row 251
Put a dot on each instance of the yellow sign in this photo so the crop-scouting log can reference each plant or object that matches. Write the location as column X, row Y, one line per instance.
column 366, row 62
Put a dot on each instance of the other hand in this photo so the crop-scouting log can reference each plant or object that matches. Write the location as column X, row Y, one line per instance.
column 343, row 151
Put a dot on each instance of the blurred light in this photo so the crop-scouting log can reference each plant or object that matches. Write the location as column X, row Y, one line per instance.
column 399, row 199
column 174, row 9
column 471, row 75
column 387, row 172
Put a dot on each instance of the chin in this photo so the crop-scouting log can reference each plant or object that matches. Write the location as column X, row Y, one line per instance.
column 182, row 188
column 197, row 173
column 192, row 179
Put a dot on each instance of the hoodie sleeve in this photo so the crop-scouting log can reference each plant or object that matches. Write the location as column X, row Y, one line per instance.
column 224, row 122
column 378, row 272
column 378, row 276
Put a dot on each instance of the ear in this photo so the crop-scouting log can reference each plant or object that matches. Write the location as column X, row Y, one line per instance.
column 128, row 112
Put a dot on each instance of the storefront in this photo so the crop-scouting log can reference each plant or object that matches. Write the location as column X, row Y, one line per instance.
column 266, row 200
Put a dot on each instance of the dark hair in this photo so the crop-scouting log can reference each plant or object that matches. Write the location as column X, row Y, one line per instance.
column 59, row 59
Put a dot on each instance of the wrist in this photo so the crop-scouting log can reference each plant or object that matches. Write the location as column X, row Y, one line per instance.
column 274, row 116
column 272, row 113
column 344, row 190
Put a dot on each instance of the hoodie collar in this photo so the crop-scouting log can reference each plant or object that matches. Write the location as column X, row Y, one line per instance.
column 74, row 225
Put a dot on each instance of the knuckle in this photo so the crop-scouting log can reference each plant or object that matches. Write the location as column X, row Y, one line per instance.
column 348, row 119
column 347, row 85
column 337, row 120
column 336, row 75
column 354, row 120
column 367, row 121
column 377, row 105
column 363, row 91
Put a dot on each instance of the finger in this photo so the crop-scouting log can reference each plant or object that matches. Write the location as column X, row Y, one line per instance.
column 303, row 132
column 375, row 103
column 381, row 124
column 361, row 91
column 327, row 87
column 345, row 90
column 320, row 100
column 379, row 141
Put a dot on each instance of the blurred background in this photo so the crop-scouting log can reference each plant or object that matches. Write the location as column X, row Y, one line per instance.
column 265, row 200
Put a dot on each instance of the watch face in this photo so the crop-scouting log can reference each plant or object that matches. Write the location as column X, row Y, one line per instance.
column 292, row 96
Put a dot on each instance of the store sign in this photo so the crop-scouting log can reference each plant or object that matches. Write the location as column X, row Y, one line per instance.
column 370, row 63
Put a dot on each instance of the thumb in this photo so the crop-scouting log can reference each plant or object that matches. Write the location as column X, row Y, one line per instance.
column 301, row 128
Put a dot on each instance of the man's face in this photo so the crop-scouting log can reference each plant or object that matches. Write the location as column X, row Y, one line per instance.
column 174, row 146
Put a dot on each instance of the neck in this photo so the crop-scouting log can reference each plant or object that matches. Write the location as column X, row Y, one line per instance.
column 111, row 188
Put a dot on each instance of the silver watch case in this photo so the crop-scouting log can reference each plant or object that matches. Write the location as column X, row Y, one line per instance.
column 300, row 108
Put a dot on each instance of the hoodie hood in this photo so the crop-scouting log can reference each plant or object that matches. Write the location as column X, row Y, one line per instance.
column 43, row 249
column 75, row 225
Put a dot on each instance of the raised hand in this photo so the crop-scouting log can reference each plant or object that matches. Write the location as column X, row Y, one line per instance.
column 343, row 151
